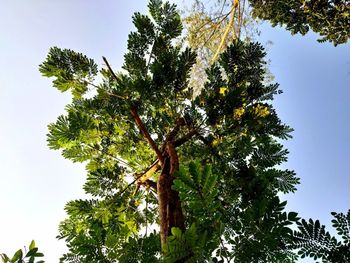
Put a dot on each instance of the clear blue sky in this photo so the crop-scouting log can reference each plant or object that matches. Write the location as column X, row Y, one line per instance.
column 35, row 182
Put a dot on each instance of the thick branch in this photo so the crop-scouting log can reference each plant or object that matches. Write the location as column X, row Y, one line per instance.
column 171, row 135
column 151, row 184
column 185, row 138
column 145, row 133
column 151, row 170
column 174, row 160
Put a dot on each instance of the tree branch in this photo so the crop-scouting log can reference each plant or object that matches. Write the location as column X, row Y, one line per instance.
column 149, row 171
column 171, row 135
column 146, row 134
column 151, row 184
column 115, row 77
column 229, row 25
column 110, row 69
column 185, row 138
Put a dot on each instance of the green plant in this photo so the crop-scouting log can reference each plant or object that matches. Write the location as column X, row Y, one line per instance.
column 24, row 256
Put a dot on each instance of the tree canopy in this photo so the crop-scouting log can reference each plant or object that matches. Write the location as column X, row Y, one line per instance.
column 204, row 168
column 175, row 176
column 329, row 18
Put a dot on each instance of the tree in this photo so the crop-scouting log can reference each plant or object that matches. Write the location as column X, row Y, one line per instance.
column 329, row 18
column 210, row 28
column 203, row 168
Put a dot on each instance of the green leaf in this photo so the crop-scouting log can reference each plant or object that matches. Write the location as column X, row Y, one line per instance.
column 32, row 245
column 4, row 258
column 70, row 69
column 17, row 256
column 175, row 231
column 31, row 252
column 292, row 216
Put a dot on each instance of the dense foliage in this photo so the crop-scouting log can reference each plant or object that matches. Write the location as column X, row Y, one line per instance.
column 329, row 18
column 313, row 240
column 178, row 177
column 204, row 168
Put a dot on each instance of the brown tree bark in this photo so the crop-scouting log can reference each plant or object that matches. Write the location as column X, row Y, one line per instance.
column 145, row 133
column 170, row 211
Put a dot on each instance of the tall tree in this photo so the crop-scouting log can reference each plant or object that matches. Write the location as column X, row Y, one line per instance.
column 202, row 168
column 173, row 177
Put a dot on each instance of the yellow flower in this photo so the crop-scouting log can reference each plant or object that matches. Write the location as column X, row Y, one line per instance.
column 261, row 111
column 215, row 142
column 237, row 113
column 223, row 91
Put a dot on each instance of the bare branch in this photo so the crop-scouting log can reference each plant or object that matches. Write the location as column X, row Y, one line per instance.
column 230, row 24
column 171, row 135
column 150, row 171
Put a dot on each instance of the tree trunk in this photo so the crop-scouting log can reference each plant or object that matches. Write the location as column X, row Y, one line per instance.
column 170, row 212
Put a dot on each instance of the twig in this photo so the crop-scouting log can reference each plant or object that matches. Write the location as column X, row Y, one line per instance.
column 110, row 69
column 215, row 26
column 115, row 77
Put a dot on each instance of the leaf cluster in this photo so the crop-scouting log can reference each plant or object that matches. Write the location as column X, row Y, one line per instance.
column 23, row 256
column 314, row 241
column 71, row 70
column 331, row 19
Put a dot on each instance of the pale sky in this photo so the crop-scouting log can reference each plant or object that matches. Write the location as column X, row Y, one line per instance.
column 35, row 182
